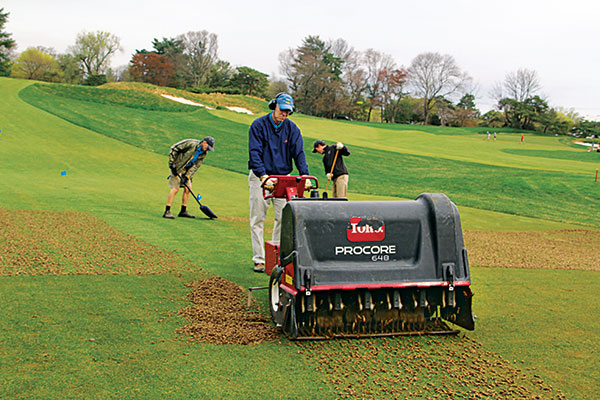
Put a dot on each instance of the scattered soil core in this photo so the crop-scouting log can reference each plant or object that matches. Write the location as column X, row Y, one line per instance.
column 562, row 249
column 218, row 315
column 75, row 243
column 423, row 368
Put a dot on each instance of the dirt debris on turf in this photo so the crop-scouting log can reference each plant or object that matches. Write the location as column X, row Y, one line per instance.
column 76, row 243
column 560, row 249
column 424, row 368
column 217, row 315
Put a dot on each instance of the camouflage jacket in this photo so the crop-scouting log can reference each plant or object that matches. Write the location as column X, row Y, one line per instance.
column 182, row 153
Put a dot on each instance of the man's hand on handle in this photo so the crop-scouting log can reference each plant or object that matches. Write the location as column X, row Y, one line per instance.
column 270, row 182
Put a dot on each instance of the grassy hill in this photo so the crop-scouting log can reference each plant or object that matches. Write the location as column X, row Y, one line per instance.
column 474, row 172
column 112, row 143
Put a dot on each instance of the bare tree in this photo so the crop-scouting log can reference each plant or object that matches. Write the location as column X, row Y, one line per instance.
column 519, row 85
column 200, row 50
column 392, row 91
column 379, row 66
column 286, row 62
column 354, row 73
column 94, row 50
column 433, row 75
column 522, row 84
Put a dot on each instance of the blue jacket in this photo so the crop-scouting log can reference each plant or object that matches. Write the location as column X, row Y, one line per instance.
column 272, row 150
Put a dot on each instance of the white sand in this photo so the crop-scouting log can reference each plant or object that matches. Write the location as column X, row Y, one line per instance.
column 240, row 110
column 186, row 101
column 193, row 103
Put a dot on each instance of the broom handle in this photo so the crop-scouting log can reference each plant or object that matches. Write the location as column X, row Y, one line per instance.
column 190, row 190
column 332, row 167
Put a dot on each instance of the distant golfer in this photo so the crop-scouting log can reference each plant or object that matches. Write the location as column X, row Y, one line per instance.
column 338, row 172
column 273, row 143
column 185, row 158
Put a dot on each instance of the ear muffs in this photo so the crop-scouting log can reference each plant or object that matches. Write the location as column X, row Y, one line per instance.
column 273, row 103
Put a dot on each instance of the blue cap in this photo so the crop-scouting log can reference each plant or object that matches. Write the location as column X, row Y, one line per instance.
column 210, row 141
column 285, row 102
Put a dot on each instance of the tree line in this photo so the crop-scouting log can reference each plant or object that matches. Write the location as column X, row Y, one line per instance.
column 327, row 78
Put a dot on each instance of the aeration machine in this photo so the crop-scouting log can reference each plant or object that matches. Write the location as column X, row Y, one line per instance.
column 366, row 268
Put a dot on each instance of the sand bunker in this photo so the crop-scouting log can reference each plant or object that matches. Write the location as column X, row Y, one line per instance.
column 186, row 101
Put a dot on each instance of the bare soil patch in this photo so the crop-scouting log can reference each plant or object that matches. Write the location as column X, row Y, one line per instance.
column 217, row 315
column 561, row 249
column 56, row 243
column 423, row 368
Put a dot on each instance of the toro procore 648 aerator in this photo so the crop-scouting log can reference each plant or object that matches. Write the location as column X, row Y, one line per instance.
column 366, row 268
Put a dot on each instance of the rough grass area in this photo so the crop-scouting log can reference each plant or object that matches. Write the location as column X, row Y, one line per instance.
column 218, row 316
column 121, row 97
column 254, row 104
column 57, row 243
column 422, row 368
column 562, row 249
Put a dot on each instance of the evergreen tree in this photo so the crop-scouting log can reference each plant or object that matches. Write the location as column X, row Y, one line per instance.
column 6, row 44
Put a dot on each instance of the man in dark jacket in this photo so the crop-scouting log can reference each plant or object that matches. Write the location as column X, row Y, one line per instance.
column 273, row 143
column 339, row 175
column 185, row 158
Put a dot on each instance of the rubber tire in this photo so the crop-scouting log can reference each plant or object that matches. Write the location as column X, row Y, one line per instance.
column 275, row 296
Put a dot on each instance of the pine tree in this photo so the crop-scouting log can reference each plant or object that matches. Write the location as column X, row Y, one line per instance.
column 6, row 44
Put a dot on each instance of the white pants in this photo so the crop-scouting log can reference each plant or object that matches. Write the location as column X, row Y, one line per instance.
column 258, row 213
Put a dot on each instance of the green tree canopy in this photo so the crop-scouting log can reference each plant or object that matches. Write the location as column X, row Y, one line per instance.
column 250, row 81
column 95, row 49
column 34, row 63
column 523, row 114
column 314, row 75
column 6, row 44
column 71, row 67
column 220, row 75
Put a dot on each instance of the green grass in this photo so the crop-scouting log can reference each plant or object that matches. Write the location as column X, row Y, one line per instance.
column 120, row 97
column 546, row 318
column 117, row 170
column 111, row 337
column 541, row 192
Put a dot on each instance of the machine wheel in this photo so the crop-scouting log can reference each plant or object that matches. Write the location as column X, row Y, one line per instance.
column 275, row 295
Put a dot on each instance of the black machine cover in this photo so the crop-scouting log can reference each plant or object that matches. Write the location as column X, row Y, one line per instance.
column 374, row 242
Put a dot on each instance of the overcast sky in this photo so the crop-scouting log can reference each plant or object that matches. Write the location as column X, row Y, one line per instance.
column 558, row 39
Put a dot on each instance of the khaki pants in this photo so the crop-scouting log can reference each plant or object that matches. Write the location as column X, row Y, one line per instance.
column 258, row 213
column 340, row 186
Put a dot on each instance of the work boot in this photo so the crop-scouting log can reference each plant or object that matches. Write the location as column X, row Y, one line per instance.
column 168, row 215
column 259, row 267
column 185, row 214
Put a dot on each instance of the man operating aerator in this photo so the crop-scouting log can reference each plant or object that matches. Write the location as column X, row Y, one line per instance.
column 273, row 142
column 185, row 157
